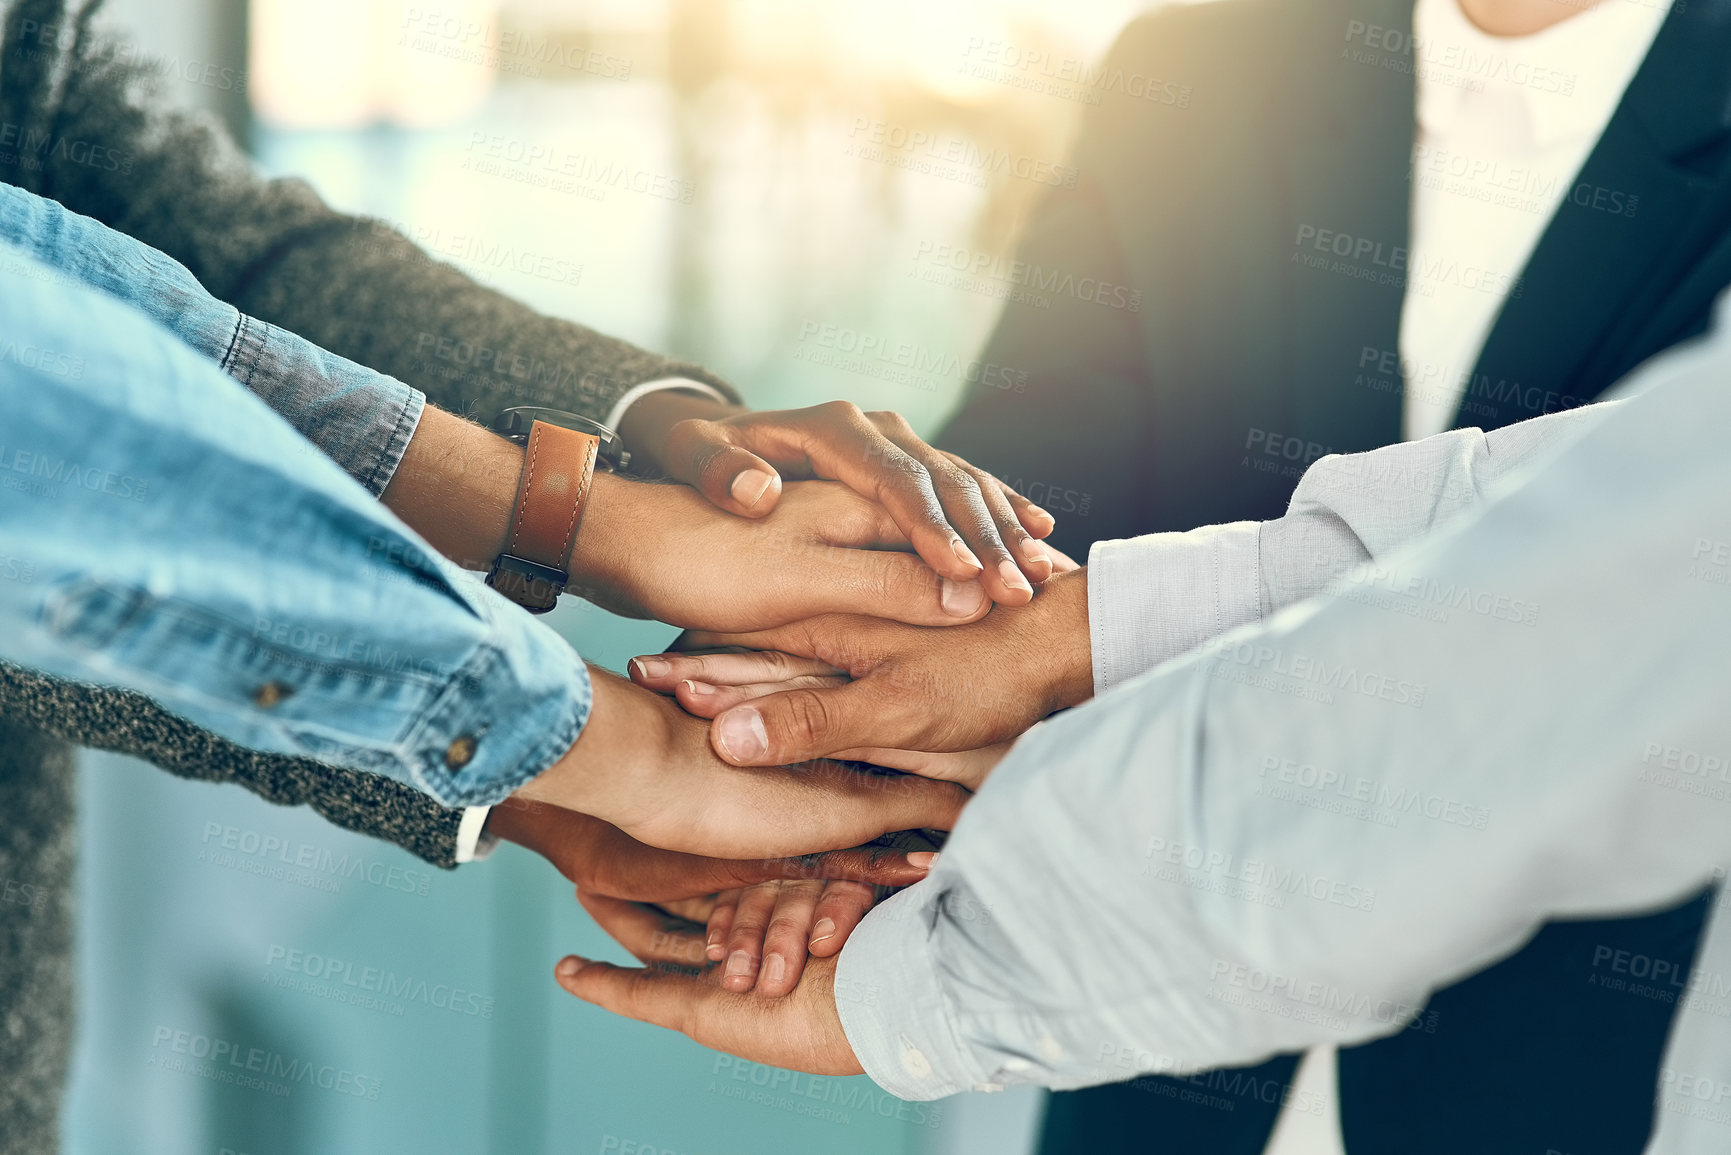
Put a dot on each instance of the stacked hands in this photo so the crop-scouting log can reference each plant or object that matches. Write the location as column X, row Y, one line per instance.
column 860, row 651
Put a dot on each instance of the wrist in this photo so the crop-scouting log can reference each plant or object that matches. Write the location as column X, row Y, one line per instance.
column 518, row 819
column 616, row 534
column 456, row 487
column 607, row 771
column 1061, row 629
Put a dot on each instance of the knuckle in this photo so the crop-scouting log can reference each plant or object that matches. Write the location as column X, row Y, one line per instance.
column 890, row 421
column 714, row 461
column 899, row 577
column 907, row 476
column 953, row 476
column 686, row 436
column 787, row 927
column 845, row 411
column 808, row 716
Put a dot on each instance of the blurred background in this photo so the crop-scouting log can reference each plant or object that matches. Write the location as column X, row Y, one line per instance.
column 780, row 189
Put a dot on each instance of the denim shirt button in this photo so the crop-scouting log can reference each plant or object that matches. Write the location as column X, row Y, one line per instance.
column 460, row 752
column 271, row 695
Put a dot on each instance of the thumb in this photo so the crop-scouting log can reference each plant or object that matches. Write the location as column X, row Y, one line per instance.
column 703, row 455
column 797, row 725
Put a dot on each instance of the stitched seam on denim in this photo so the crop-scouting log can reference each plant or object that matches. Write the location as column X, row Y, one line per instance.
column 390, row 451
column 233, row 340
column 258, row 359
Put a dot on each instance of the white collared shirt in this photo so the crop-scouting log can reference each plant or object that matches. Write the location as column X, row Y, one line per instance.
column 1504, row 126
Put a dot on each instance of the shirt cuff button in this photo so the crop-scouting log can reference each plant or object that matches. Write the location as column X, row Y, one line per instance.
column 914, row 1062
column 270, row 695
column 460, row 752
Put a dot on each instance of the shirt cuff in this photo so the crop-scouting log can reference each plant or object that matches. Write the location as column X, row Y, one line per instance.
column 637, row 392
column 506, row 716
column 361, row 419
column 1153, row 598
column 473, row 843
column 892, row 1007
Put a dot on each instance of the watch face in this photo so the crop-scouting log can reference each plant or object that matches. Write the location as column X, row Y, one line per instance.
column 515, row 423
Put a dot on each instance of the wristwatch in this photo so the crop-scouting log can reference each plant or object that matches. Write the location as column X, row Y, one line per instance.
column 514, row 425
column 561, row 453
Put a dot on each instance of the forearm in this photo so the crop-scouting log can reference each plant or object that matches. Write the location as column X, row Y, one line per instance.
column 1358, row 508
column 1153, row 598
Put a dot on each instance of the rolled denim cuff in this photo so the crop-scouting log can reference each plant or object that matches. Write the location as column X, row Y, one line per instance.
column 361, row 419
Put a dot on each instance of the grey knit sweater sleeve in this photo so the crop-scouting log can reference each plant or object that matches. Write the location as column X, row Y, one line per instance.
column 81, row 127
column 129, row 723
column 91, row 137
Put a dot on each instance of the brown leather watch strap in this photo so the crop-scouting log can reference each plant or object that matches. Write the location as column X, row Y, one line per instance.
column 558, row 468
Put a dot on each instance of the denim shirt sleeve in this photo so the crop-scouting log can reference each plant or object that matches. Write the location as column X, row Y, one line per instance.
column 164, row 532
column 361, row 419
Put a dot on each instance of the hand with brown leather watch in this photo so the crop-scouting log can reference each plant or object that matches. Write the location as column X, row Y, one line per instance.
column 662, row 551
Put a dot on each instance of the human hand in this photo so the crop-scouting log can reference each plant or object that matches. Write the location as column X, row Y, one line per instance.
column 764, row 932
column 661, row 551
column 738, row 459
column 801, row 1031
column 729, row 679
column 644, row 765
column 872, row 685
column 602, row 859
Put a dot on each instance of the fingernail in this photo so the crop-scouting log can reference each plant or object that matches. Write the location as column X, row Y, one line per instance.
column 774, row 969
column 962, row 599
column 1013, row 576
column 742, row 735
column 698, row 689
column 922, row 859
column 825, row 928
column 749, row 487
column 714, row 951
column 738, row 965
column 651, row 667
column 1032, row 551
column 966, row 554
column 568, row 967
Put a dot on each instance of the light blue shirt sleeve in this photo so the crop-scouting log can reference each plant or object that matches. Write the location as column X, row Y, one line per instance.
column 1294, row 834
column 170, row 534
column 361, row 419
column 1155, row 597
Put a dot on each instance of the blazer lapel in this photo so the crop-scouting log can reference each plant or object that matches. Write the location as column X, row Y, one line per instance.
column 1638, row 232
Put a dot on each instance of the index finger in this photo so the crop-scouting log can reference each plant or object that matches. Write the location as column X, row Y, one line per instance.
column 842, row 444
